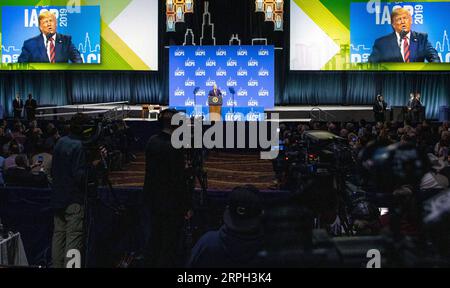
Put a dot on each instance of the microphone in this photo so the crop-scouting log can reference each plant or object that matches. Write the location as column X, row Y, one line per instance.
column 403, row 33
column 49, row 35
column 196, row 90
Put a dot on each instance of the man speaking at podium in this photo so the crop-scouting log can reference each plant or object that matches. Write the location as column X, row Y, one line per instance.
column 49, row 46
column 215, row 102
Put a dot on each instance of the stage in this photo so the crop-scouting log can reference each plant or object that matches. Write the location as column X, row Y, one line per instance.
column 149, row 112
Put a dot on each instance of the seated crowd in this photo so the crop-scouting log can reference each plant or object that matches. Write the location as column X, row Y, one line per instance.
column 26, row 150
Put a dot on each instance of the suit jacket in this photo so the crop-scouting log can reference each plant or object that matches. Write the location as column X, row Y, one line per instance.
column 34, row 50
column 416, row 105
column 17, row 105
column 387, row 49
column 377, row 108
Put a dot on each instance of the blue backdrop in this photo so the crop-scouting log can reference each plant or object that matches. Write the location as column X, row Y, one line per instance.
column 366, row 26
column 248, row 71
column 20, row 23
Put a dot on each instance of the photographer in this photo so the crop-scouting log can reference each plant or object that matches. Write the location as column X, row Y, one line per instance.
column 68, row 194
column 166, row 197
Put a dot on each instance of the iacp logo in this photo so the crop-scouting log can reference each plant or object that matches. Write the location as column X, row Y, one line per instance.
column 179, row 92
column 231, row 63
column 252, row 102
column 189, row 102
column 252, row 116
column 252, row 82
column 221, row 72
column 179, row 72
column 252, row 62
column 230, row 102
column 242, row 52
column 210, row 82
column 221, row 52
column 179, row 52
column 200, row 52
column 189, row 83
column 263, row 72
column 263, row 92
column 242, row 92
column 230, row 116
column 189, row 63
column 242, row 72
column 210, row 62
column 263, row 52
column 231, row 82
column 200, row 72
column 200, row 93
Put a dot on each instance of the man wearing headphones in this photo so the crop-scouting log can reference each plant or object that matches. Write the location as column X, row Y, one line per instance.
column 166, row 197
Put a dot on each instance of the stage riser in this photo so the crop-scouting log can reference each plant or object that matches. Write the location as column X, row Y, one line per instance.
column 336, row 115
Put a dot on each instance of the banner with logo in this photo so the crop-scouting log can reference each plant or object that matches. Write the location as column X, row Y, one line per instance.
column 244, row 74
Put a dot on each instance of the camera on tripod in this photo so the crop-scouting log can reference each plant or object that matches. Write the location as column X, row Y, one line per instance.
column 318, row 153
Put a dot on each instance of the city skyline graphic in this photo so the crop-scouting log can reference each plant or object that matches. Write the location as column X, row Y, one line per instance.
column 208, row 33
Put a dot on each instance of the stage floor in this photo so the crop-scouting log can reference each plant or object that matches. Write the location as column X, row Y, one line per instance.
column 149, row 112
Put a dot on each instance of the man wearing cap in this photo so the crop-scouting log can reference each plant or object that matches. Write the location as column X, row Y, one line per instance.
column 239, row 239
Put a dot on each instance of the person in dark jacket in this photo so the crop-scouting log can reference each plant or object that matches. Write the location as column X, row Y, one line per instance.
column 239, row 239
column 30, row 107
column 379, row 109
column 21, row 174
column 68, row 172
column 167, row 198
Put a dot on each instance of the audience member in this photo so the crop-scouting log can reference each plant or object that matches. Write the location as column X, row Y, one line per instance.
column 238, row 240
column 21, row 174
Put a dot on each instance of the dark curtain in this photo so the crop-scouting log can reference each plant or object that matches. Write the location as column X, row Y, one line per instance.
column 230, row 17
column 46, row 87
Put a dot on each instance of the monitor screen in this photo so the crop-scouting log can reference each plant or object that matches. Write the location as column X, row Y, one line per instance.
column 79, row 35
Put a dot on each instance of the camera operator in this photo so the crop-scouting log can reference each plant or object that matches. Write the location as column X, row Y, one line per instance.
column 166, row 197
column 69, row 169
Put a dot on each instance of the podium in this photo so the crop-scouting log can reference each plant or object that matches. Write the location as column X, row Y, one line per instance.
column 215, row 107
column 215, row 113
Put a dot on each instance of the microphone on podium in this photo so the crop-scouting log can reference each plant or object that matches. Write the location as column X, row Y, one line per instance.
column 196, row 90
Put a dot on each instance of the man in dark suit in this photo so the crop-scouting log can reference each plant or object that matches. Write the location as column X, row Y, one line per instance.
column 403, row 45
column 215, row 102
column 215, row 92
column 30, row 107
column 49, row 46
column 417, row 108
column 379, row 109
column 18, row 107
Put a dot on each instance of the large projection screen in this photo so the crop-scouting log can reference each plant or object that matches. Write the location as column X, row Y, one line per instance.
column 88, row 35
column 359, row 35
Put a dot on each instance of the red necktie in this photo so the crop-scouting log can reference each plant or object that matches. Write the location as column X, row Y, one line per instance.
column 406, row 49
column 52, row 51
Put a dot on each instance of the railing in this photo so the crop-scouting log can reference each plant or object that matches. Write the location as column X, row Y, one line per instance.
column 110, row 111
column 318, row 114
